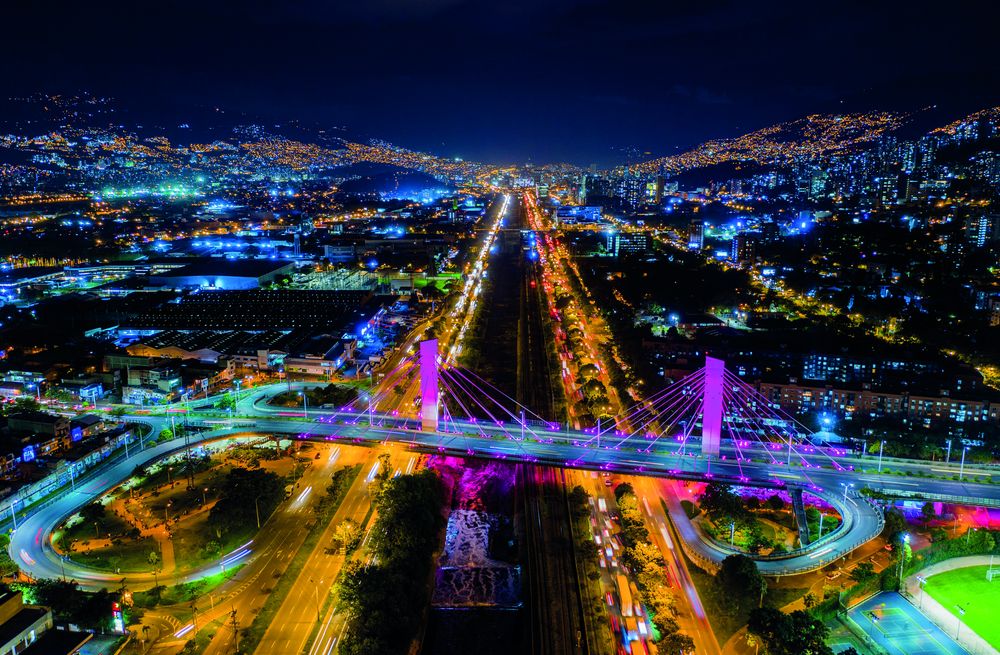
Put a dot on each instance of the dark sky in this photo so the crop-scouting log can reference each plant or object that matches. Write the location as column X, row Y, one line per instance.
column 502, row 81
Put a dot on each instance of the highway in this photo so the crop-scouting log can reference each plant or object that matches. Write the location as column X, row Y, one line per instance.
column 301, row 607
column 693, row 619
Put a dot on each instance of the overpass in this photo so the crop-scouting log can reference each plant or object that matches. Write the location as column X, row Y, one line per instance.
column 762, row 449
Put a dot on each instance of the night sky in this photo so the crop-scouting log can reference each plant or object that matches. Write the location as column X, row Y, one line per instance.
column 509, row 81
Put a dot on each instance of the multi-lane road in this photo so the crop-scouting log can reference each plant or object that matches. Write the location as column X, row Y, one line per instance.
column 819, row 472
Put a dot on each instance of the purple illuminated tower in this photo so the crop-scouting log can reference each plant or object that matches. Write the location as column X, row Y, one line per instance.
column 429, row 385
column 711, row 418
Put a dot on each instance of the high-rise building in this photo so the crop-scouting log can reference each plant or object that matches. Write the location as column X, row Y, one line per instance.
column 696, row 234
column 744, row 249
column 628, row 244
column 631, row 191
column 982, row 230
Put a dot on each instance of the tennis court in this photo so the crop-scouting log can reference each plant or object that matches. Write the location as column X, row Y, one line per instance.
column 898, row 628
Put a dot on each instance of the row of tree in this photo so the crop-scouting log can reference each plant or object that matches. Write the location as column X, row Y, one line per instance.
column 646, row 563
column 385, row 601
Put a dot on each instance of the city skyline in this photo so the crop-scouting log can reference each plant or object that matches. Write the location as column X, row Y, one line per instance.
column 549, row 81
column 564, row 327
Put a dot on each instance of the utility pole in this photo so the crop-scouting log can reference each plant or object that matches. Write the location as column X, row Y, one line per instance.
column 235, row 624
column 190, row 467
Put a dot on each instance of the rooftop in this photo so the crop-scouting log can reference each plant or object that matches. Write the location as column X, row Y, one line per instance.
column 229, row 267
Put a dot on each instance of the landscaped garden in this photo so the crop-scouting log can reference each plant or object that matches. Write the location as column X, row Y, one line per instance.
column 181, row 512
column 755, row 520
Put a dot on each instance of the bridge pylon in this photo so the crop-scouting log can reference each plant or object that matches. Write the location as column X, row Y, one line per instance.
column 712, row 406
column 429, row 385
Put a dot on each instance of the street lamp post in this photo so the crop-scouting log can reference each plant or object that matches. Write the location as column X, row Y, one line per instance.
column 305, row 404
column 961, row 611
column 947, row 455
column 902, row 558
column 256, row 509
column 316, row 596
column 921, row 581
column 961, row 469
column 881, row 447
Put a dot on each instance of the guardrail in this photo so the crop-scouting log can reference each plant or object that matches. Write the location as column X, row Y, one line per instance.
column 814, row 564
column 60, row 480
column 957, row 499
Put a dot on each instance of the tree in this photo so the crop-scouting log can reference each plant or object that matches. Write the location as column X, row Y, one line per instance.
column 26, row 404
column 676, row 642
column 809, row 600
column 720, row 501
column 92, row 512
column 797, row 633
column 622, row 489
column 895, row 524
column 775, row 502
column 243, row 493
column 863, row 572
column 740, row 580
column 927, row 513
column 384, row 471
column 166, row 434
column 346, row 534
column 7, row 565
column 70, row 603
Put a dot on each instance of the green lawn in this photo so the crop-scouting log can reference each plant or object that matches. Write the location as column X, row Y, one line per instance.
column 980, row 599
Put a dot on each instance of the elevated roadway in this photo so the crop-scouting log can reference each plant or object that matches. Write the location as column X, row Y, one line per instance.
column 31, row 548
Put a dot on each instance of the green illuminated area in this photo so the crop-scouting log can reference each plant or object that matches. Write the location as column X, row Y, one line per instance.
column 171, row 191
column 969, row 589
